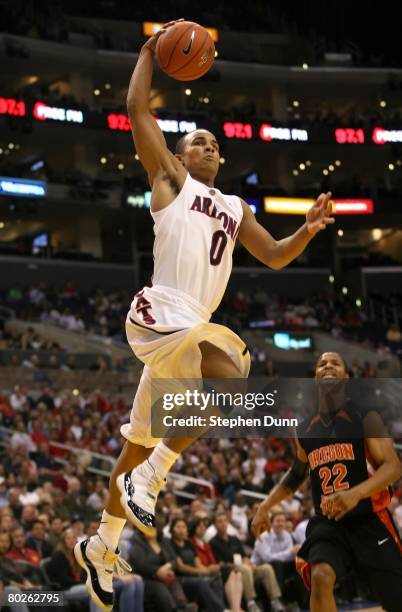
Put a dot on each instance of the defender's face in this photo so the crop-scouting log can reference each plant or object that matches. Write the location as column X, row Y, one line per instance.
column 330, row 365
column 201, row 154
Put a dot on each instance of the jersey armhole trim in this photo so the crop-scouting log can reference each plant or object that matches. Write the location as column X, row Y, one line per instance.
column 159, row 212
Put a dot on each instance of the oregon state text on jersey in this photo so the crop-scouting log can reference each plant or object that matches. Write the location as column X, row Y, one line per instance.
column 338, row 457
column 194, row 240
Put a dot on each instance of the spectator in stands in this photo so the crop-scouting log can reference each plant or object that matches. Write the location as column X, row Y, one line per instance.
column 29, row 515
column 255, row 464
column 18, row 399
column 10, row 573
column 58, row 505
column 232, row 579
column 202, row 582
column 56, row 528
column 19, row 551
column 96, row 501
column 3, row 493
column 78, row 527
column 22, row 438
column 91, row 527
column 32, row 362
column 239, row 515
column 230, row 550
column 53, row 363
column 38, row 541
column 65, row 573
column 155, row 561
column 277, row 548
column 46, row 464
column 212, row 531
column 75, row 501
column 14, row 504
column 100, row 364
column 70, row 363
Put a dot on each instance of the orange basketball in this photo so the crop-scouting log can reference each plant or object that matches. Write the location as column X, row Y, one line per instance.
column 185, row 51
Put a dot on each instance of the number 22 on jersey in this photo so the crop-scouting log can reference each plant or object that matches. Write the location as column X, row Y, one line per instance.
column 338, row 473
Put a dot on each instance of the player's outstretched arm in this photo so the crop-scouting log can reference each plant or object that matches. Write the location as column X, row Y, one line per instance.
column 277, row 254
column 149, row 140
column 288, row 484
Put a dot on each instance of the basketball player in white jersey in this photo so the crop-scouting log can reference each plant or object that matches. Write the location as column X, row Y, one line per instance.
column 168, row 327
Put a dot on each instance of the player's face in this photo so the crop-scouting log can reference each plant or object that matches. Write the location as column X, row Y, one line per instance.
column 201, row 154
column 330, row 365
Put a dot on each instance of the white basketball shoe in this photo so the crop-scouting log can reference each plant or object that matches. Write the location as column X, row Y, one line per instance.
column 139, row 490
column 100, row 564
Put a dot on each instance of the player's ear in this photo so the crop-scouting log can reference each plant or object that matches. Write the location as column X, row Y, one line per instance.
column 180, row 158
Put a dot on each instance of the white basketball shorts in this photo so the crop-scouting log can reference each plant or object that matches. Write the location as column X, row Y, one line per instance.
column 171, row 351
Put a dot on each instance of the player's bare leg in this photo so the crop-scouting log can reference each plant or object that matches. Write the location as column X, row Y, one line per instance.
column 140, row 487
column 99, row 555
column 322, row 588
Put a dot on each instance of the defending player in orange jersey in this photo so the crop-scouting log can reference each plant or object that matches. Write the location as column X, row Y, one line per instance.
column 350, row 472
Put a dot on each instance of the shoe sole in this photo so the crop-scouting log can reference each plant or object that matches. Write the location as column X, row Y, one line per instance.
column 88, row 582
column 150, row 531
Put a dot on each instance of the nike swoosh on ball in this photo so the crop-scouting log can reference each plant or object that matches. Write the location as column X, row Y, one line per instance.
column 187, row 50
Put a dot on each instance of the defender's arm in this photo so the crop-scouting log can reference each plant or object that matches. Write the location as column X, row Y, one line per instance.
column 290, row 482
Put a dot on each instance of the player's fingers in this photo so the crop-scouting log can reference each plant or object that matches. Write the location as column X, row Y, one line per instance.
column 170, row 23
column 319, row 200
column 328, row 220
column 166, row 26
column 329, row 206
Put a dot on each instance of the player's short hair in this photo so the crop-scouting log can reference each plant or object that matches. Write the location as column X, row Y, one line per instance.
column 180, row 144
column 345, row 365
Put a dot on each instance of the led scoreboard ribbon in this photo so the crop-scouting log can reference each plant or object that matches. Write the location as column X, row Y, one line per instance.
column 232, row 130
column 12, row 107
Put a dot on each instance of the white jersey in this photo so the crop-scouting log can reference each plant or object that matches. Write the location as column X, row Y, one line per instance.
column 194, row 240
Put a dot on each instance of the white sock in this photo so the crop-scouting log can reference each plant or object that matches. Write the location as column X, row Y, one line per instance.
column 162, row 458
column 110, row 529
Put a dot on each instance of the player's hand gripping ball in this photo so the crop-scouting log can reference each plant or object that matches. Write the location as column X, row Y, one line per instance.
column 185, row 51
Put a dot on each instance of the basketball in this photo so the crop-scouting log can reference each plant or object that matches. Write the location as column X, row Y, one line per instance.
column 185, row 51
